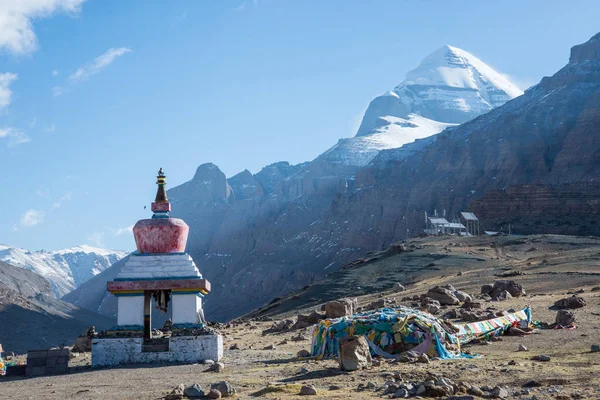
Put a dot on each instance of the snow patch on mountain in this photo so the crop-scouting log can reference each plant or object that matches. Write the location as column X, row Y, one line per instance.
column 65, row 269
column 360, row 150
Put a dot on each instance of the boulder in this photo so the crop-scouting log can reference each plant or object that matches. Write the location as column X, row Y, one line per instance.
column 501, row 295
column 194, row 392
column 565, row 318
column 499, row 393
column 224, row 387
column 217, row 367
column 487, row 289
column 303, row 353
column 443, row 295
column 308, row 390
column 176, row 393
column 312, row 318
column 515, row 289
column 354, row 353
column 462, row 296
column 570, row 303
column 432, row 308
column 397, row 288
column 339, row 308
column 214, row 394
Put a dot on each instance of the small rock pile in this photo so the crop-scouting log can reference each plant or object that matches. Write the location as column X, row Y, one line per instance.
column 502, row 290
column 195, row 391
column 433, row 386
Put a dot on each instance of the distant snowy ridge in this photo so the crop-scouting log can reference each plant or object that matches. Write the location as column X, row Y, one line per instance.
column 448, row 87
column 65, row 269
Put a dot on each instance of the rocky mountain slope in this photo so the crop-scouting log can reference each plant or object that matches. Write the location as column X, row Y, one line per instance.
column 65, row 269
column 255, row 243
column 31, row 318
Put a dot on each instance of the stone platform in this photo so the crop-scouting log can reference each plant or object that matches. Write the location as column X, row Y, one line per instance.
column 181, row 349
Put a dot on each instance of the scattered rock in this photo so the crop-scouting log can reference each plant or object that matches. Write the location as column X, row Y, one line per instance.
column 523, row 348
column 303, row 353
column 487, row 289
column 476, row 391
column 339, row 308
column 462, row 296
column 595, row 348
column 176, row 393
column 217, row 367
column 224, row 387
column 500, row 295
column 270, row 347
column 335, row 387
column 423, row 358
column 391, row 388
column 299, row 338
column 214, row 394
column 531, row 384
column 596, row 289
column 234, row 347
column 515, row 289
column 565, row 318
column 308, row 390
column 400, row 394
column 354, row 353
column 541, row 357
column 397, row 288
column 194, row 391
column 499, row 393
column 570, row 303
column 443, row 295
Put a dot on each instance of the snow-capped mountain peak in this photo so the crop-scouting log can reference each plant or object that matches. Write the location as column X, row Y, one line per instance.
column 448, row 87
column 453, row 67
column 65, row 269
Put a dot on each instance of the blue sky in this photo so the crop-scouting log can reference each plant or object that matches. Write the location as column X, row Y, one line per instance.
column 96, row 95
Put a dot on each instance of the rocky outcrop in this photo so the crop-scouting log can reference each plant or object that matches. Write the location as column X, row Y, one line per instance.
column 246, row 186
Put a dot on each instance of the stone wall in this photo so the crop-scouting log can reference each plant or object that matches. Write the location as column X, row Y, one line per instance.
column 182, row 349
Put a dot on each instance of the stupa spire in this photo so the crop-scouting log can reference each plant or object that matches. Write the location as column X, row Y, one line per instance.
column 161, row 206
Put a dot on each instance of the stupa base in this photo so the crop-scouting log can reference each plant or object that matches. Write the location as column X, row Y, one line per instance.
column 136, row 350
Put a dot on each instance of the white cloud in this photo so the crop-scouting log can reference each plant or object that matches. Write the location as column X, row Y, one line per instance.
column 242, row 6
column 55, row 72
column 123, row 231
column 15, row 136
column 42, row 192
column 59, row 202
column 6, row 79
column 57, row 91
column 32, row 218
column 16, row 16
column 98, row 64
column 96, row 238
